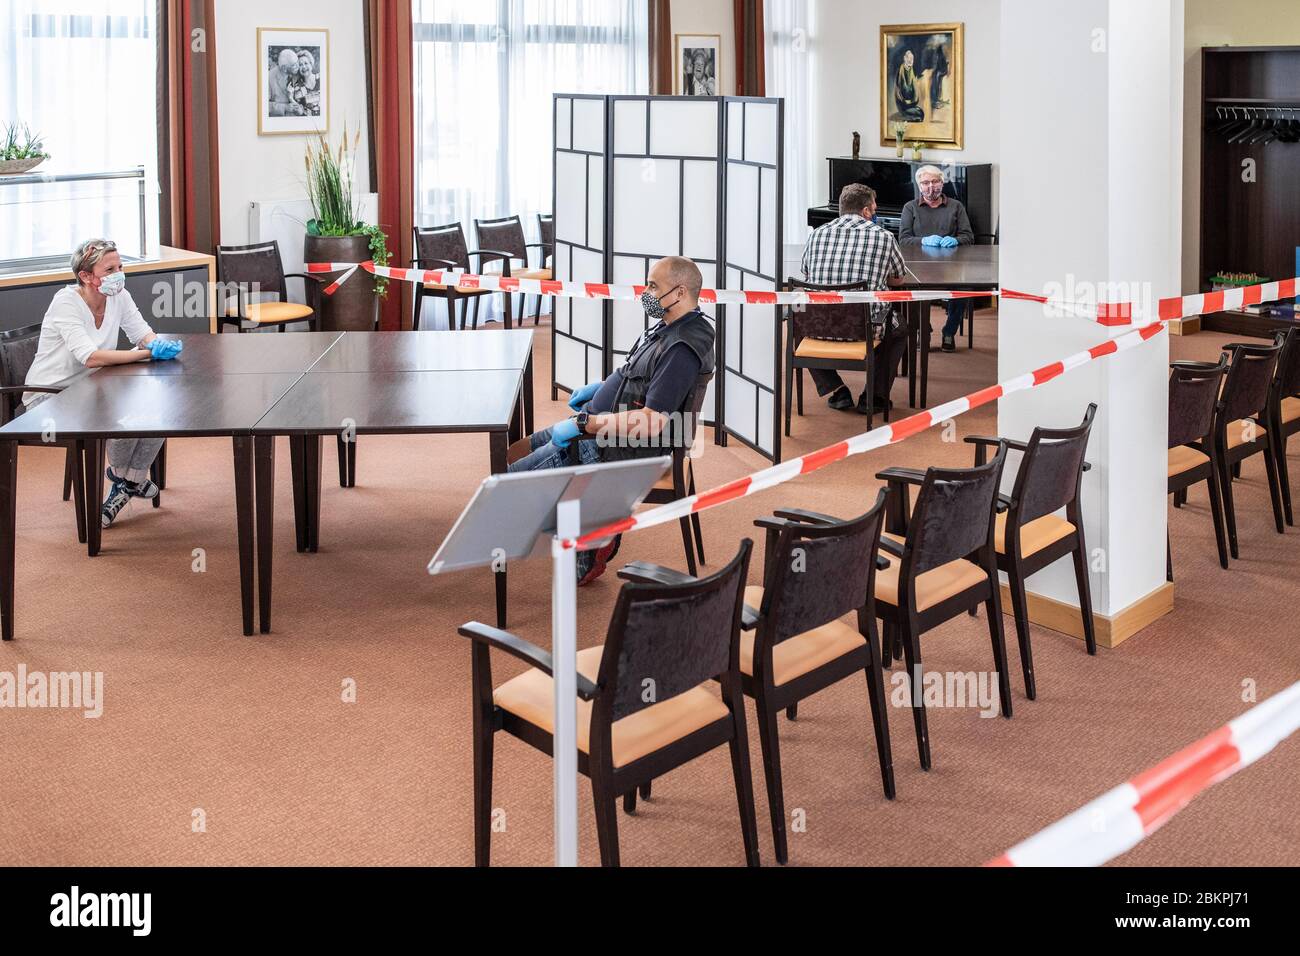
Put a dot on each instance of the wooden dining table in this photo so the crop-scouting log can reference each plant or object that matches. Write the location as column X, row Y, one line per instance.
column 253, row 388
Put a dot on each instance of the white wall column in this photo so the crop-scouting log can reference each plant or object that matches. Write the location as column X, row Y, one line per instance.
column 1091, row 198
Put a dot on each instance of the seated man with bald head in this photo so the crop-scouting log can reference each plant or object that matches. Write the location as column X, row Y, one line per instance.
column 631, row 408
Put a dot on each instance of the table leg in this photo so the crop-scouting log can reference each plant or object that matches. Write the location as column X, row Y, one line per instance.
column 925, row 358
column 79, row 488
column 264, row 470
column 910, row 311
column 313, row 459
column 298, row 467
column 499, row 444
column 243, row 455
column 528, row 394
column 94, row 468
column 8, row 534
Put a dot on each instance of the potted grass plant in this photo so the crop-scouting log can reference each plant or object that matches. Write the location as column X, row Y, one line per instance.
column 21, row 150
column 335, row 233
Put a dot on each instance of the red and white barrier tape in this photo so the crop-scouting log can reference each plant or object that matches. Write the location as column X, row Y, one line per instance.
column 1119, row 820
column 864, row 442
column 604, row 290
column 1110, row 314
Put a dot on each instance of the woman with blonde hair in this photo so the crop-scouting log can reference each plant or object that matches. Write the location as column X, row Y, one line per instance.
column 80, row 331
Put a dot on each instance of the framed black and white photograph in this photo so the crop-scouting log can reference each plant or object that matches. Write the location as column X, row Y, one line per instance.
column 698, row 64
column 293, row 81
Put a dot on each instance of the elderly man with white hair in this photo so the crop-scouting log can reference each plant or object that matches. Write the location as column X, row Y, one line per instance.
column 940, row 221
column 280, row 83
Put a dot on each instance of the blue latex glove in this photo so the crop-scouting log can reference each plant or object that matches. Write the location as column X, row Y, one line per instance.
column 948, row 241
column 164, row 349
column 583, row 395
column 564, row 432
column 932, row 240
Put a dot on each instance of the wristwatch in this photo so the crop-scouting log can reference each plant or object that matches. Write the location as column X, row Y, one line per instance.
column 581, row 419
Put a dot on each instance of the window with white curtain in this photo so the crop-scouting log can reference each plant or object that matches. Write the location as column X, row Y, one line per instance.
column 82, row 74
column 790, row 52
column 485, row 74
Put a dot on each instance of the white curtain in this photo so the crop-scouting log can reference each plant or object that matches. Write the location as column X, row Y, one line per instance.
column 82, row 74
column 485, row 73
column 790, row 50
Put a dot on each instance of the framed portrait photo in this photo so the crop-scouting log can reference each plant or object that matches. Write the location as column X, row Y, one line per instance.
column 698, row 58
column 922, row 83
column 292, row 81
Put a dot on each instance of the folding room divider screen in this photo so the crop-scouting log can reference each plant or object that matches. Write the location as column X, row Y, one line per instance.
column 667, row 163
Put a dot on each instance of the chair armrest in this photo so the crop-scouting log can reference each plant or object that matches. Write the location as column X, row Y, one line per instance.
column 1004, row 503
column 526, row 651
column 1087, row 466
column 892, row 546
column 882, row 562
column 749, row 618
column 990, row 440
column 19, row 389
column 811, row 517
column 907, row 476
column 496, row 253
column 536, row 245
column 431, row 260
column 305, row 275
column 1192, row 364
column 643, row 572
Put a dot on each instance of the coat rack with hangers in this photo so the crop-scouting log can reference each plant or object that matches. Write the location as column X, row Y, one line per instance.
column 1253, row 122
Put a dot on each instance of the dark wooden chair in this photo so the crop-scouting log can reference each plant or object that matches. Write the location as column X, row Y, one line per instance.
column 1029, row 535
column 17, row 352
column 1193, row 454
column 1241, row 426
column 256, row 270
column 851, row 346
column 443, row 247
column 1284, row 410
column 944, row 566
column 968, row 318
column 545, row 256
column 816, row 570
column 503, row 242
column 681, row 637
column 680, row 480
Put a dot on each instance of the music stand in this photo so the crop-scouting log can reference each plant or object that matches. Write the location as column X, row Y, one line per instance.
column 522, row 515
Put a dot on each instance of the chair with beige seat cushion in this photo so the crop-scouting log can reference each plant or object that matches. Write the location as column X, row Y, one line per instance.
column 1241, row 421
column 439, row 248
column 1193, row 456
column 502, row 241
column 1284, row 409
column 1029, row 535
column 256, row 270
column 817, row 570
column 942, row 564
column 834, row 336
column 647, row 700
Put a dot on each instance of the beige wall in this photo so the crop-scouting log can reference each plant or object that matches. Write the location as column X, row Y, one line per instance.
column 1216, row 23
column 709, row 17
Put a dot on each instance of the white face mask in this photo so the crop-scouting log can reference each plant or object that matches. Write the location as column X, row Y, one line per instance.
column 113, row 283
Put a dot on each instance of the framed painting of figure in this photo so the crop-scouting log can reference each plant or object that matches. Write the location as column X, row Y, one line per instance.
column 292, row 81
column 922, row 83
column 698, row 64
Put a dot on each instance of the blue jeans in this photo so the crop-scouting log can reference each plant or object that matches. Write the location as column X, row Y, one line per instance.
column 545, row 455
column 956, row 312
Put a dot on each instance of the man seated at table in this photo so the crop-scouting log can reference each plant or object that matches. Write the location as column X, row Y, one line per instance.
column 629, row 410
column 937, row 221
column 80, row 331
column 854, row 249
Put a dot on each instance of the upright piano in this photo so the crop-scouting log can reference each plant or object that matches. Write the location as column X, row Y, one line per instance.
column 894, row 181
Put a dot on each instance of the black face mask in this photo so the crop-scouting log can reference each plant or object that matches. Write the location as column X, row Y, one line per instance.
column 653, row 305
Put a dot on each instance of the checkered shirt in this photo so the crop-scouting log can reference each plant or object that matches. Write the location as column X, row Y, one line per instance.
column 853, row 249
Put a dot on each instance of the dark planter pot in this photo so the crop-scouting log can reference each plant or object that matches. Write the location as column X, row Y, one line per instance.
column 353, row 307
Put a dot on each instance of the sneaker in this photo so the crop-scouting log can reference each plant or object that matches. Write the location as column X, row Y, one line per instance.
column 136, row 489
column 117, row 499
column 841, row 399
column 949, row 345
column 600, row 558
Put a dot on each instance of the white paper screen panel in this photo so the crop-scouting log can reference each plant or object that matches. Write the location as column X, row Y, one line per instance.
column 684, row 127
column 589, row 125
column 630, row 127
column 563, row 121
column 700, row 210
column 742, row 216
column 761, row 133
column 647, row 206
column 571, row 197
